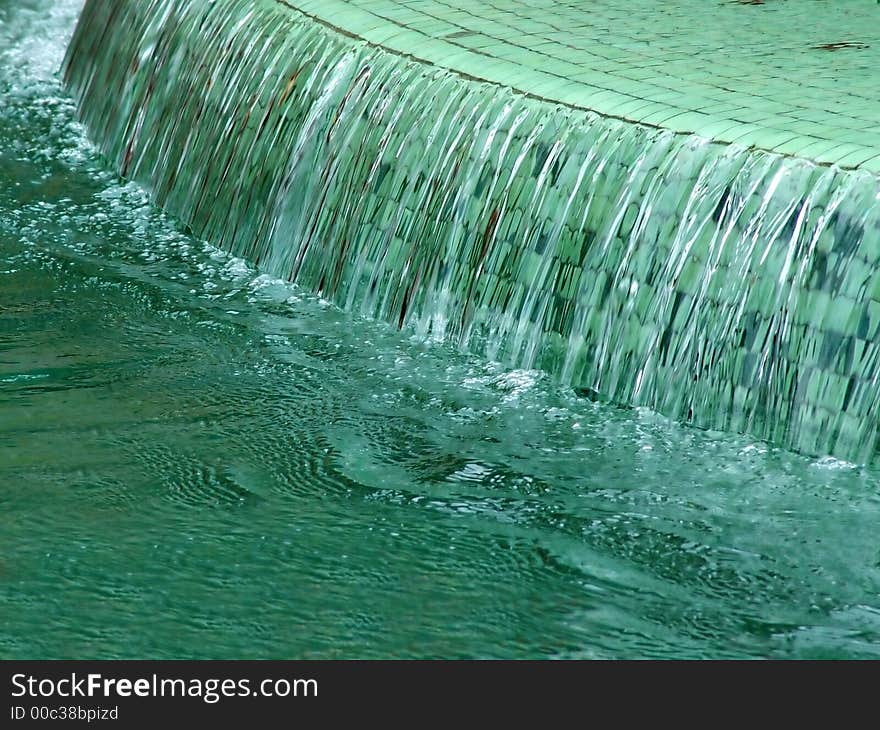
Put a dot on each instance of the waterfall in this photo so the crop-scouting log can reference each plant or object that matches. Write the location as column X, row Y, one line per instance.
column 728, row 287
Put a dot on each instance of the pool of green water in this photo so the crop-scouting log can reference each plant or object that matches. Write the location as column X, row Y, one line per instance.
column 200, row 461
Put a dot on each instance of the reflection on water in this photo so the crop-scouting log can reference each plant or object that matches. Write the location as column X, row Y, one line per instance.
column 197, row 460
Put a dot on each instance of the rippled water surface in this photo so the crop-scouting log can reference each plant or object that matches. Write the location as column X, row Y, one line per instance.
column 197, row 460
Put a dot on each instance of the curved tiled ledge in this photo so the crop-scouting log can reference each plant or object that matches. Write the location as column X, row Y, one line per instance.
column 646, row 250
column 792, row 77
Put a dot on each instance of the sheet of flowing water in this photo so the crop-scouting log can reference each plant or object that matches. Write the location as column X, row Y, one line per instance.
column 726, row 287
column 197, row 460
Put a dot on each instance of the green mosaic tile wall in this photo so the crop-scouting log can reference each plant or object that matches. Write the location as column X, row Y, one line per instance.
column 789, row 76
column 733, row 288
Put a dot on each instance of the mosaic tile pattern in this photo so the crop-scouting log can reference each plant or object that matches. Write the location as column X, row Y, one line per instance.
column 792, row 76
column 729, row 287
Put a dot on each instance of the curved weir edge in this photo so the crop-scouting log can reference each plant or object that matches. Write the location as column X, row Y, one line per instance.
column 726, row 286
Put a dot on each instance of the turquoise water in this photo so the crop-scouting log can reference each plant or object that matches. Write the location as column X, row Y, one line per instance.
column 198, row 460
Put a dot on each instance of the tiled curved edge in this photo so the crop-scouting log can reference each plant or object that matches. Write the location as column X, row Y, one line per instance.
column 794, row 78
column 732, row 288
